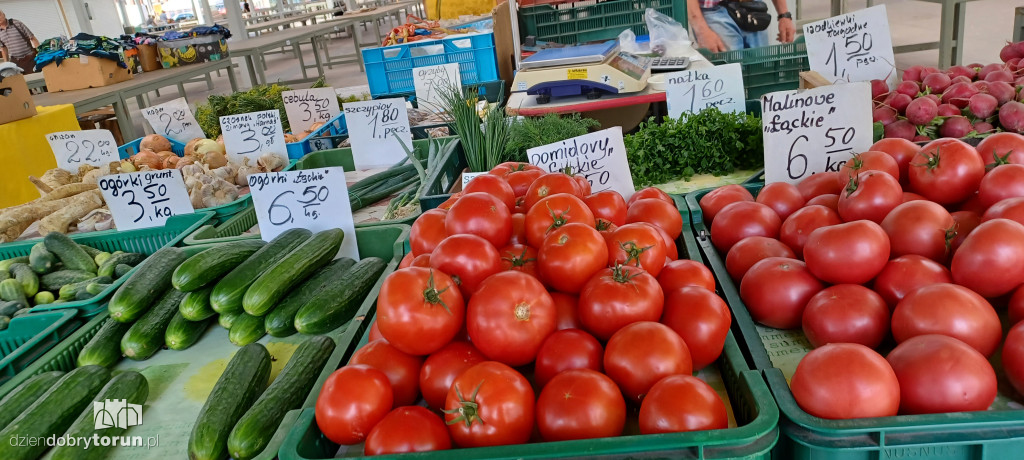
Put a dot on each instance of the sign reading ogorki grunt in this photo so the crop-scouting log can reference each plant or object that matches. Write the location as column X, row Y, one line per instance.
column 598, row 156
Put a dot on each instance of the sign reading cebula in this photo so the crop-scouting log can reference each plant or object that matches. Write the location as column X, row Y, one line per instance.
column 116, row 413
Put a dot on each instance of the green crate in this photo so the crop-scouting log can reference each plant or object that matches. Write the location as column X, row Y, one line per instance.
column 225, row 211
column 766, row 69
column 27, row 338
column 586, row 21
column 992, row 434
column 229, row 230
column 144, row 240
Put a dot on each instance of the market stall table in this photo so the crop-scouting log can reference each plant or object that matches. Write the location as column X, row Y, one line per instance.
column 350, row 20
column 27, row 153
column 254, row 49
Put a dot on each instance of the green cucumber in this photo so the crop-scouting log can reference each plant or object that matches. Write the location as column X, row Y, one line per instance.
column 9, row 308
column 100, row 258
column 226, row 319
column 104, row 349
column 108, row 267
column 121, row 270
column 145, row 286
column 43, row 298
column 69, row 252
column 208, row 266
column 227, row 294
column 255, row 429
column 96, row 288
column 242, row 382
column 298, row 265
column 53, row 413
column 246, row 329
column 196, row 305
column 22, row 396
column 91, row 251
column 280, row 322
column 55, row 280
column 338, row 302
column 182, row 333
column 41, row 259
column 22, row 312
column 11, row 291
column 129, row 386
column 4, row 275
column 6, row 263
column 69, row 291
column 28, row 278
column 146, row 336
column 4, row 322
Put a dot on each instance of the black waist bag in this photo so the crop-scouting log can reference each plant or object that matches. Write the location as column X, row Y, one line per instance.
column 749, row 16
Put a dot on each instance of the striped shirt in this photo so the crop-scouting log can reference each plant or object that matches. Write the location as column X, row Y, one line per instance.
column 15, row 37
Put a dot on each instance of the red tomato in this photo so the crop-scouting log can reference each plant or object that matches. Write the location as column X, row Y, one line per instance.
column 494, row 186
column 989, row 261
column 799, row 225
column 846, row 313
column 616, row 297
column 605, row 228
column 1006, row 181
column 823, row 183
column 584, row 185
column 966, row 222
column 419, row 310
column 408, row 429
column 450, row 202
column 900, row 150
column 490, row 404
column 564, row 350
column 565, row 310
column 684, row 272
column 845, row 380
column 552, row 213
column 422, row 260
column 510, row 317
column 482, row 215
column 651, row 192
column 520, row 181
column 1002, row 148
column 919, row 227
column 679, row 403
column 1010, row 208
column 850, row 253
column 468, row 259
column 782, row 197
column 519, row 257
column 905, row 274
column 740, row 220
column 570, row 256
column 1015, row 306
column 671, row 251
column 406, row 261
column 374, row 333
column 657, row 212
column 948, row 309
column 580, row 404
column 551, row 184
column 911, row 196
column 829, row 200
column 441, row 368
column 1013, row 357
column 946, row 171
column 973, row 204
column 752, row 250
column 427, row 231
column 518, row 229
column 608, row 205
column 639, row 245
column 509, row 167
column 351, row 402
column 701, row 318
column 721, row 197
column 402, row 369
column 870, row 197
column 871, row 160
column 776, row 290
column 941, row 374
column 641, row 354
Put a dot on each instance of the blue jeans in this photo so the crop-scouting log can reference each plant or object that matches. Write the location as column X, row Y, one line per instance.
column 735, row 38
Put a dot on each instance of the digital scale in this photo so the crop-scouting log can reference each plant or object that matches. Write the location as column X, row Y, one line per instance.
column 590, row 70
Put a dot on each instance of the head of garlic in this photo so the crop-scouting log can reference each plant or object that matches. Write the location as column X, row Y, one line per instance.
column 195, row 195
column 271, row 162
column 219, row 192
column 242, row 176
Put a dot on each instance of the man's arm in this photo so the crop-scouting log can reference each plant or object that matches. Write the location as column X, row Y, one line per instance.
column 787, row 30
column 3, row 51
column 706, row 38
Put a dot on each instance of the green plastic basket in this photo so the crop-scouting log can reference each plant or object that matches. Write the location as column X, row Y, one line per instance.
column 232, row 229
column 585, row 21
column 143, row 240
column 992, row 434
column 29, row 337
column 226, row 211
column 766, row 69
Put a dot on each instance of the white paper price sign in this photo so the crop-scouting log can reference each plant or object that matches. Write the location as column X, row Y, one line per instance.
column 814, row 131
column 691, row 91
column 375, row 128
column 173, row 119
column 307, row 106
column 598, row 156
column 314, row 199
column 145, row 199
column 253, row 134
column 468, row 176
column 72, row 149
column 852, row 47
column 432, row 82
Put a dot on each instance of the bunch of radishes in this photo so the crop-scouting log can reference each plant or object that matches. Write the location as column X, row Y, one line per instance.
column 963, row 101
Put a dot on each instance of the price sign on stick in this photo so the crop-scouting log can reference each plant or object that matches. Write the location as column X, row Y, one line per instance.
column 314, row 199
column 852, row 47
column 598, row 156
column 307, row 106
column 145, row 199
column 253, row 134
column 814, row 131
column 173, row 119
column 431, row 83
column 72, row 149
column 375, row 128
column 691, row 91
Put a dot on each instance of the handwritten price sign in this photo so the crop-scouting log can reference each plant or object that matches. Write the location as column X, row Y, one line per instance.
column 377, row 130
column 694, row 90
column 307, row 106
column 145, row 199
column 598, row 156
column 431, row 83
column 852, row 47
column 814, row 131
column 314, row 199
column 72, row 149
column 253, row 134
column 174, row 120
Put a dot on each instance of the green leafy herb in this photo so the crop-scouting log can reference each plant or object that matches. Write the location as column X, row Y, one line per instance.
column 257, row 99
column 528, row 133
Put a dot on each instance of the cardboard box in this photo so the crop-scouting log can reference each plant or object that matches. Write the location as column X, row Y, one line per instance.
column 83, row 72
column 149, row 58
column 192, row 50
column 15, row 100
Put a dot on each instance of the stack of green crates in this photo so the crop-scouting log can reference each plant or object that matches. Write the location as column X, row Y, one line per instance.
column 767, row 69
column 579, row 22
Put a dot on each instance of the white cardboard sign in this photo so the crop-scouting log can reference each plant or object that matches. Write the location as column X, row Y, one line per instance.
column 253, row 134
column 814, row 131
column 691, row 91
column 145, row 199
column 468, row 176
column 377, row 130
column 599, row 156
column 307, row 106
column 314, row 199
column 431, row 82
column 851, row 47
column 72, row 149
column 173, row 119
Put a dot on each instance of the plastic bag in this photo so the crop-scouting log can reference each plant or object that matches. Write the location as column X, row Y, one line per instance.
column 627, row 43
column 668, row 37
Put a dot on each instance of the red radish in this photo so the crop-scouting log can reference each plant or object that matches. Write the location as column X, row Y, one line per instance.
column 958, row 94
column 928, row 71
column 1019, row 48
column 900, row 102
column 989, row 69
column 934, row 97
column 1019, row 81
column 948, row 110
column 959, row 79
column 902, row 129
column 1008, row 52
column 983, row 127
column 913, row 73
column 910, row 88
column 975, row 66
column 922, row 138
column 999, row 75
column 955, row 127
column 1013, row 64
column 885, row 115
column 878, row 89
column 982, row 105
column 936, row 82
column 922, row 111
column 959, row 70
column 1002, row 91
column 981, row 85
column 1011, row 116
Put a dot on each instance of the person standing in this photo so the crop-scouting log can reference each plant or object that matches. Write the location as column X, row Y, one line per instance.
column 18, row 43
column 717, row 31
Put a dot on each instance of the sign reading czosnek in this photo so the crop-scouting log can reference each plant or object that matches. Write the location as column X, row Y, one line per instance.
column 253, row 134
column 145, row 199
column 599, row 156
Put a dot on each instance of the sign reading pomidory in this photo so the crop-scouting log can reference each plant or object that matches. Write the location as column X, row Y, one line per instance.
column 598, row 156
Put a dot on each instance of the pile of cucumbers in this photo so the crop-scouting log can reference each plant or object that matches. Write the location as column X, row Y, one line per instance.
column 58, row 270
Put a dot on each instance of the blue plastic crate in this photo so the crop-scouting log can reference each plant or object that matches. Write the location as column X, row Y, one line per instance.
column 326, row 137
column 389, row 69
column 132, row 148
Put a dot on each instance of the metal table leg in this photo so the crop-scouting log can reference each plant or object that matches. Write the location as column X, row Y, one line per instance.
column 959, row 23
column 316, row 56
column 124, row 120
column 302, row 60
column 209, row 81
column 251, row 64
column 359, row 48
column 259, row 69
column 946, row 28
column 231, row 77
